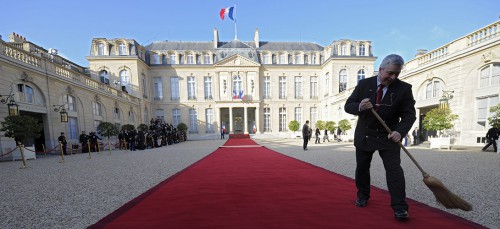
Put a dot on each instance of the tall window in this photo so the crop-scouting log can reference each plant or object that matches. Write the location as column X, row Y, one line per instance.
column 282, row 119
column 283, row 59
column 144, row 86
column 298, row 58
column 306, row 59
column 209, row 113
column 298, row 87
column 100, row 49
column 158, row 88
column 193, row 121
column 237, row 87
column 267, row 119
column 159, row 113
column 174, row 88
column 172, row 59
column 97, row 110
column 314, row 87
column 433, row 90
column 156, row 58
column 267, row 87
column 327, row 84
column 103, row 75
column 298, row 114
column 343, row 49
column 208, row 87
column 125, row 80
column 266, row 58
column 314, row 117
column 206, row 59
column 146, row 114
column 70, row 100
column 282, row 86
column 122, row 49
column 362, row 50
column 117, row 113
column 190, row 59
column 313, row 58
column 72, row 128
column 191, row 88
column 131, row 117
column 325, row 113
column 342, row 80
column 490, row 75
column 483, row 107
column 96, row 124
column 361, row 74
column 176, row 117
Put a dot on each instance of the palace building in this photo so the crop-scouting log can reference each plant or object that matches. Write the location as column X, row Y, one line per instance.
column 255, row 87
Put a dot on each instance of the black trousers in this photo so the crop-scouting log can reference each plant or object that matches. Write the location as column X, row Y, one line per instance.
column 494, row 142
column 393, row 172
column 306, row 140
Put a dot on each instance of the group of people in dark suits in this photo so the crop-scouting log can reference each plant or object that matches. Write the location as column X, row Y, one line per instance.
column 87, row 140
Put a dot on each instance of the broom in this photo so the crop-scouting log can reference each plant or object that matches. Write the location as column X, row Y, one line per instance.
column 443, row 195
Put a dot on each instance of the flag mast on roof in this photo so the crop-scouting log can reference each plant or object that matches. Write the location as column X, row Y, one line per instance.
column 229, row 11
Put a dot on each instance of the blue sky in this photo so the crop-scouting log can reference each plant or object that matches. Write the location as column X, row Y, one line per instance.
column 399, row 27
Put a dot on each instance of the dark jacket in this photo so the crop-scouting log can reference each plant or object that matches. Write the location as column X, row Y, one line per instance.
column 492, row 134
column 305, row 131
column 399, row 115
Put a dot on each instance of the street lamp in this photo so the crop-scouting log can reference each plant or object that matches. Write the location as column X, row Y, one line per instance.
column 62, row 112
column 11, row 105
column 443, row 102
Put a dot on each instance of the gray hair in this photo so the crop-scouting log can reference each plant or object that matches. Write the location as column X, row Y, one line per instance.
column 393, row 59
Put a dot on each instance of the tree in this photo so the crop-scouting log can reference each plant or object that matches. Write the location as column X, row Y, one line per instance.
column 107, row 129
column 294, row 125
column 439, row 119
column 495, row 119
column 128, row 127
column 320, row 124
column 182, row 127
column 331, row 126
column 143, row 127
column 20, row 127
column 344, row 125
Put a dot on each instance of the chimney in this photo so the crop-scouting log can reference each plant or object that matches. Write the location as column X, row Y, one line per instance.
column 256, row 38
column 216, row 38
column 16, row 38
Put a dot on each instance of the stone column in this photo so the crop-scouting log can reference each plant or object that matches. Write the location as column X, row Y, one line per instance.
column 245, row 123
column 257, row 119
column 230, row 120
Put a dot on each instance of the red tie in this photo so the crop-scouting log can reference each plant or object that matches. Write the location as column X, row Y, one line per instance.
column 380, row 92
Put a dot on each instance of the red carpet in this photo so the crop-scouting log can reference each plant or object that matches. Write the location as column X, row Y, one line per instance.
column 254, row 187
column 239, row 136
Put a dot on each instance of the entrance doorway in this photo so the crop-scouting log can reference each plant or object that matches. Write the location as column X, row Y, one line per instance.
column 40, row 139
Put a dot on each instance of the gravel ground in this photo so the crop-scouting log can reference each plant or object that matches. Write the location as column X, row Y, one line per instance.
column 468, row 172
column 79, row 192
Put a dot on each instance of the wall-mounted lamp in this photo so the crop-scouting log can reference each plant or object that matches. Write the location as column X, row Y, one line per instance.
column 11, row 105
column 443, row 102
column 62, row 112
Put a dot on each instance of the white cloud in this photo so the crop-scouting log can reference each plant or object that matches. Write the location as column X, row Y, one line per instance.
column 438, row 32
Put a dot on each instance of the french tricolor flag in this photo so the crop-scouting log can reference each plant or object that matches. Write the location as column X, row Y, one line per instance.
column 227, row 11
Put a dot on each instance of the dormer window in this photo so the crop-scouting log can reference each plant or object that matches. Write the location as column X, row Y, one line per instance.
column 266, row 58
column 156, row 58
column 362, row 50
column 122, row 49
column 100, row 49
column 190, row 59
column 206, row 59
column 343, row 49
column 104, row 76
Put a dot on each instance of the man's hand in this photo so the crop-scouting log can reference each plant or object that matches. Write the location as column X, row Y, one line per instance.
column 365, row 104
column 395, row 136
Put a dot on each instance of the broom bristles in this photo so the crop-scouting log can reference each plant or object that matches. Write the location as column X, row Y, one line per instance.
column 444, row 196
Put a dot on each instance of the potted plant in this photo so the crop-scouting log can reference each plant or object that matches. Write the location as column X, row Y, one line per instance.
column 107, row 129
column 439, row 119
column 344, row 125
column 21, row 127
column 294, row 126
column 331, row 126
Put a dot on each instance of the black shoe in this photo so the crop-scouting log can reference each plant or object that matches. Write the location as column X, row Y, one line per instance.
column 361, row 203
column 401, row 214
column 305, row 149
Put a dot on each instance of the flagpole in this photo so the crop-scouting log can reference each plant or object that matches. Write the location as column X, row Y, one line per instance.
column 235, row 30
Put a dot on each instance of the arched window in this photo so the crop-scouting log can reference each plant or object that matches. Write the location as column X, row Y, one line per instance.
column 361, row 74
column 103, row 75
column 237, row 87
column 131, row 117
column 70, row 100
column 490, row 75
column 342, row 80
column 433, row 89
column 122, row 49
column 343, row 49
column 282, row 120
column 26, row 93
column 117, row 113
column 125, row 80
column 327, row 84
column 156, row 58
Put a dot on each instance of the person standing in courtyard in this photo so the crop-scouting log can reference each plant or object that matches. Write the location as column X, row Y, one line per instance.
column 222, row 131
column 325, row 136
column 415, row 136
column 393, row 101
column 491, row 137
column 317, row 133
column 305, row 134
column 64, row 143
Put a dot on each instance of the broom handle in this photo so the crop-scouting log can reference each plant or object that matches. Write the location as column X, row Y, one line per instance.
column 425, row 174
